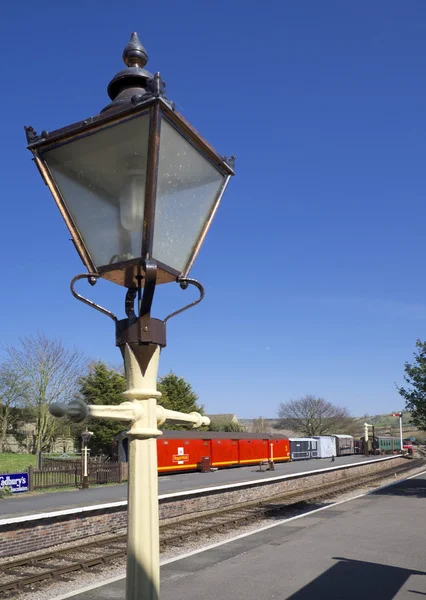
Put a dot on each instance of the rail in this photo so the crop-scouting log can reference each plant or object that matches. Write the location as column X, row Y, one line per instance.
column 177, row 531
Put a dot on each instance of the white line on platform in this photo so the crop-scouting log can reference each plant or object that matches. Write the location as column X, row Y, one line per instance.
column 60, row 513
column 193, row 492
column 235, row 538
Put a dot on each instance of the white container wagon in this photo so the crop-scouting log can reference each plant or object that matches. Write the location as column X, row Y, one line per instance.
column 326, row 445
column 303, row 448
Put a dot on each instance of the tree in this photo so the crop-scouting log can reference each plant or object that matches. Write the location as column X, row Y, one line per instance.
column 310, row 416
column 260, row 425
column 177, row 394
column 226, row 426
column 415, row 394
column 13, row 398
column 103, row 385
column 49, row 372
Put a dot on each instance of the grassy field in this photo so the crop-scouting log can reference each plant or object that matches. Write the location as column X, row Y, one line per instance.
column 15, row 463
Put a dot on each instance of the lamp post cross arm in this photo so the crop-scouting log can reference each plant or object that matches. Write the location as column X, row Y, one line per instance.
column 141, row 387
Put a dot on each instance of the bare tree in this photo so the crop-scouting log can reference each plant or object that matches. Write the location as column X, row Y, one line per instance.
column 311, row 415
column 12, row 399
column 49, row 373
column 260, row 425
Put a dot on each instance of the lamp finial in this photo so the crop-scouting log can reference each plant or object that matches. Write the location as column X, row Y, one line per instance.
column 134, row 54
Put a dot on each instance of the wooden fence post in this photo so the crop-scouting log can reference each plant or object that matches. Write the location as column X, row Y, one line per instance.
column 120, row 472
column 30, row 478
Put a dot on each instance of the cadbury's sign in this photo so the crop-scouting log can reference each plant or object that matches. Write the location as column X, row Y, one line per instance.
column 16, row 482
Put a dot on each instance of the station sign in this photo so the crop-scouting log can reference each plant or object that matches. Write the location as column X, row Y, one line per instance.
column 16, row 482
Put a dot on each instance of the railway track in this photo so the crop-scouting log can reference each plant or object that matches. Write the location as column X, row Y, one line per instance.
column 57, row 564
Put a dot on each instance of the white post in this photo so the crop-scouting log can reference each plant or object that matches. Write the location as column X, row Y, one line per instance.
column 400, row 431
column 365, row 439
column 140, row 410
column 143, row 539
column 85, row 478
column 85, row 460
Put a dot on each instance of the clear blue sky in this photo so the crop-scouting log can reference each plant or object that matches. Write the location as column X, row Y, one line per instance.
column 314, row 266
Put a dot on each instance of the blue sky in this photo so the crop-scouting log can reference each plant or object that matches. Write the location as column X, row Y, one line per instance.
column 314, row 266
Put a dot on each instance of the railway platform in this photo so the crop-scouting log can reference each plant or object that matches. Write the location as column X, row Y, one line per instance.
column 372, row 546
column 25, row 504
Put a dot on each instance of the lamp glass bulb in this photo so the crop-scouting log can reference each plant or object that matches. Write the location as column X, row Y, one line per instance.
column 132, row 201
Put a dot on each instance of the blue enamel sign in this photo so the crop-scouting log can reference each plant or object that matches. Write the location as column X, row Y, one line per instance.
column 16, row 482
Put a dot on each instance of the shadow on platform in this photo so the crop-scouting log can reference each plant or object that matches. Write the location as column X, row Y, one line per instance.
column 353, row 579
column 414, row 488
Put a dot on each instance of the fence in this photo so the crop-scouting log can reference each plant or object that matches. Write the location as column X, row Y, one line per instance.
column 52, row 478
column 47, row 462
column 68, row 473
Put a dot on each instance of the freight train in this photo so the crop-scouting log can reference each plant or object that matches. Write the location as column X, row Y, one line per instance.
column 185, row 450
column 321, row 446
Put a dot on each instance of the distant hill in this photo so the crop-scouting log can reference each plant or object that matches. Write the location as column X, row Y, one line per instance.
column 388, row 425
column 384, row 425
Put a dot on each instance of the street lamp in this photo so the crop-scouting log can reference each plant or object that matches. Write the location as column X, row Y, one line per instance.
column 85, row 438
column 138, row 188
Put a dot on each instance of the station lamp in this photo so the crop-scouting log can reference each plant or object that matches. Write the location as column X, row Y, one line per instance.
column 137, row 187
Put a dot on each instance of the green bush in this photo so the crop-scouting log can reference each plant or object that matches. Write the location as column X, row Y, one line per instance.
column 5, row 492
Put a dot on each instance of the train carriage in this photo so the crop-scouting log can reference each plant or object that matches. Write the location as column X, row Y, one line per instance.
column 379, row 444
column 180, row 454
column 344, row 444
column 224, row 452
column 303, row 448
column 386, row 444
column 184, row 450
column 359, row 447
column 326, row 445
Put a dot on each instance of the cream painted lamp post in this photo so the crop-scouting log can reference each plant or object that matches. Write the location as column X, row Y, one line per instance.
column 138, row 188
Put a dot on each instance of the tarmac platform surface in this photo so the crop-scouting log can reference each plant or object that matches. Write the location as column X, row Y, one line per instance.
column 371, row 547
column 29, row 504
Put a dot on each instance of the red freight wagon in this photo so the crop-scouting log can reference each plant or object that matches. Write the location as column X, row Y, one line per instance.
column 179, row 454
column 279, row 448
column 183, row 450
column 254, row 450
column 224, row 452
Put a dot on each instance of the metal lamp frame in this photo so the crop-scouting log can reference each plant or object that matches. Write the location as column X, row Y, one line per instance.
column 132, row 272
column 134, row 92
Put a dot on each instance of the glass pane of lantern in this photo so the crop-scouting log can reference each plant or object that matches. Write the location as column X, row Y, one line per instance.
column 101, row 178
column 188, row 187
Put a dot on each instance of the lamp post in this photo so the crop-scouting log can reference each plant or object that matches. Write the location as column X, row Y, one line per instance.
column 138, row 188
column 85, row 438
column 366, row 445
